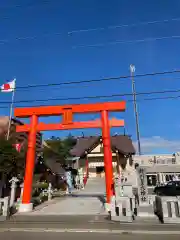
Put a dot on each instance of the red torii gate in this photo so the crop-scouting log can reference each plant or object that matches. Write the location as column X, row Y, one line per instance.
column 67, row 112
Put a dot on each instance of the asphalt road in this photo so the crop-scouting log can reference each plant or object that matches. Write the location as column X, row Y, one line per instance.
column 77, row 236
column 79, row 224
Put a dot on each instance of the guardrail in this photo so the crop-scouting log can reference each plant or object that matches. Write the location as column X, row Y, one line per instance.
column 123, row 209
column 4, row 208
column 168, row 209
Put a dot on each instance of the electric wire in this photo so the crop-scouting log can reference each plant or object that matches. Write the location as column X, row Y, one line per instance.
column 93, row 97
column 71, row 32
column 99, row 79
column 125, row 41
column 128, row 100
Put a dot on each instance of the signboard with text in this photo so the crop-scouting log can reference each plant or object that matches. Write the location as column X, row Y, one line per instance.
column 142, row 184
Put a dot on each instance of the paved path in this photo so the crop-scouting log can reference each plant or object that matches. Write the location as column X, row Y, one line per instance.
column 95, row 186
column 86, row 202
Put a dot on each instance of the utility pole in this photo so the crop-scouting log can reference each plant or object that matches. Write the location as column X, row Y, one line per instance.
column 132, row 70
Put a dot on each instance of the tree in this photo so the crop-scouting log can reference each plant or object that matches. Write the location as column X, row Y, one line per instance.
column 11, row 161
column 59, row 147
column 66, row 145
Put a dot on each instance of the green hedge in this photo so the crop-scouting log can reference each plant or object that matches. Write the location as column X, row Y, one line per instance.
column 41, row 185
column 38, row 200
column 38, row 187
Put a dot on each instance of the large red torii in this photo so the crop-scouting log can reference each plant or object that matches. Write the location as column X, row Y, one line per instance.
column 67, row 112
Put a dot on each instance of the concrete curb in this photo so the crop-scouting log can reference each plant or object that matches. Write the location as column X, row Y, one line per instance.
column 100, row 231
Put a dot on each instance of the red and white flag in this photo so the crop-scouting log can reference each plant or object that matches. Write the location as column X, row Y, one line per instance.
column 9, row 86
column 18, row 146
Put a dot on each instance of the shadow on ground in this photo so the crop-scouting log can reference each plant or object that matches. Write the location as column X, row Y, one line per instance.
column 98, row 196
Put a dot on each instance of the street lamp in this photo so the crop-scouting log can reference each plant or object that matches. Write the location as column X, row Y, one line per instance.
column 132, row 70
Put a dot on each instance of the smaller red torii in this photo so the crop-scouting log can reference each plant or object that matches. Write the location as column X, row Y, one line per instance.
column 67, row 112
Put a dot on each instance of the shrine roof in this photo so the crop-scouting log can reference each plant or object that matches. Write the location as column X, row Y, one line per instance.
column 121, row 143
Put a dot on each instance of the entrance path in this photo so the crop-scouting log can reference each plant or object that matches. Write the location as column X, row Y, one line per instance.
column 89, row 201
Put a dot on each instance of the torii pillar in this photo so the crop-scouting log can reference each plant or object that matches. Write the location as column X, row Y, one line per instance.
column 107, row 155
column 26, row 205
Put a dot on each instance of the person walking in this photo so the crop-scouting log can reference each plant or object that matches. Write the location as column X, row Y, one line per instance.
column 68, row 175
column 74, row 176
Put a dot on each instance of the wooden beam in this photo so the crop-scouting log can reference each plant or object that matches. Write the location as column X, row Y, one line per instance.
column 58, row 110
column 75, row 125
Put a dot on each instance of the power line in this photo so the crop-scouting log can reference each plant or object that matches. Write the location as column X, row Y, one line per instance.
column 98, row 80
column 122, row 82
column 126, row 41
column 129, row 100
column 113, row 27
column 42, row 3
column 156, row 98
column 95, row 97
column 124, row 25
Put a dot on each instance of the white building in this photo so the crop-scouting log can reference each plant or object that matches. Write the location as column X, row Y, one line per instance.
column 160, row 168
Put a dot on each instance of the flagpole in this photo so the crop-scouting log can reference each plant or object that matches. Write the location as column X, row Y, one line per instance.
column 10, row 114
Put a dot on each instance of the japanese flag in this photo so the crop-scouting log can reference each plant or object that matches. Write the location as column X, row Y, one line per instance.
column 9, row 86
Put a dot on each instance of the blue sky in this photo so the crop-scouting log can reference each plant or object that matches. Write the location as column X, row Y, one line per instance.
column 36, row 48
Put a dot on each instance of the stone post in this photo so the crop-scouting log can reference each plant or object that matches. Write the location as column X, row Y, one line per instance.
column 22, row 189
column 49, row 192
column 142, row 186
column 13, row 182
column 6, row 207
column 118, row 187
column 19, row 200
column 80, row 172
